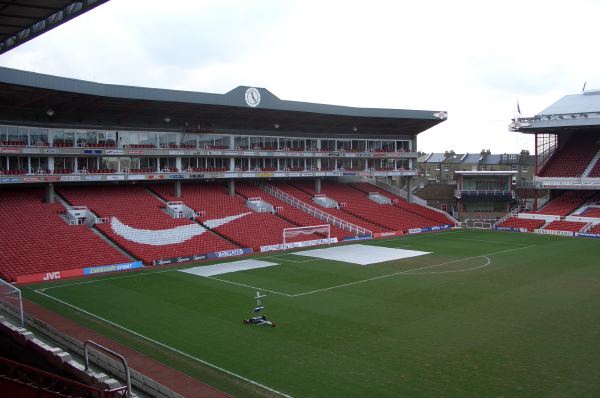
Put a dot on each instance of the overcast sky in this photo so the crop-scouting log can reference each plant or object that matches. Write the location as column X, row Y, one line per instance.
column 474, row 59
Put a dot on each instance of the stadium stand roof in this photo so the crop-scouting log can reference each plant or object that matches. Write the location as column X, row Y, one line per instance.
column 589, row 101
column 570, row 113
column 39, row 99
column 23, row 20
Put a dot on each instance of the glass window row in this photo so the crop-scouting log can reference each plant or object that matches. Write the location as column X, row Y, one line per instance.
column 114, row 164
column 33, row 136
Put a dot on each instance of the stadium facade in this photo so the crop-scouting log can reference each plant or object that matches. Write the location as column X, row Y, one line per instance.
column 566, row 142
column 567, row 167
column 173, row 176
column 59, row 130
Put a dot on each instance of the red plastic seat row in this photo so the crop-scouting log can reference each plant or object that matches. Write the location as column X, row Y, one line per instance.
column 572, row 159
column 565, row 204
column 137, row 208
column 562, row 225
column 46, row 242
column 527, row 224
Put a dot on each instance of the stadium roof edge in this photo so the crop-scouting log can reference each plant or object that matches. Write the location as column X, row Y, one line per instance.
column 23, row 20
column 570, row 112
column 233, row 97
column 27, row 96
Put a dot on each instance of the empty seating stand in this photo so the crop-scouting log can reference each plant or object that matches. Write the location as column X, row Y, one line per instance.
column 522, row 223
column 212, row 202
column 304, row 193
column 44, row 242
column 288, row 212
column 565, row 204
column 401, row 216
column 136, row 208
column 562, row 225
column 592, row 212
column 437, row 217
column 572, row 159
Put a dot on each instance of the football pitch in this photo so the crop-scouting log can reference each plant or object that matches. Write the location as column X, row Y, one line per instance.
column 475, row 314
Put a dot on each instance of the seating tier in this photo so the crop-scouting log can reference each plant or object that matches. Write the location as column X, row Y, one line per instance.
column 39, row 241
column 286, row 211
column 562, row 225
column 403, row 204
column 401, row 216
column 252, row 230
column 565, row 204
column 573, row 158
column 139, row 210
column 304, row 193
column 592, row 212
column 529, row 225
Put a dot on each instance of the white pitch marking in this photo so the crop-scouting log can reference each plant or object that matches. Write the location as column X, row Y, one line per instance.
column 488, row 262
column 291, row 261
column 167, row 347
column 485, row 241
column 148, row 272
column 405, row 272
column 249, row 286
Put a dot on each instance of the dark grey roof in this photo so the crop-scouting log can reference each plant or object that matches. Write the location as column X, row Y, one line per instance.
column 472, row 158
column 490, row 159
column 23, row 20
column 73, row 99
column 435, row 158
column 454, row 159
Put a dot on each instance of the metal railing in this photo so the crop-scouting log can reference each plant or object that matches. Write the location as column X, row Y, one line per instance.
column 313, row 211
column 413, row 198
column 481, row 192
column 513, row 212
column 52, row 384
column 586, row 228
column 101, row 348
column 386, row 187
column 11, row 301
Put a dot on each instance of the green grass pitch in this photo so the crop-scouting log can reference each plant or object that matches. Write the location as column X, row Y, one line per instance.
column 486, row 314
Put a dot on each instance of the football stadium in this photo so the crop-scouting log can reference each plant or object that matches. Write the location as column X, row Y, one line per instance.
column 169, row 243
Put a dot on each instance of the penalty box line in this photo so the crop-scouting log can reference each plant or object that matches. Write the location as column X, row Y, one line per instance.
column 408, row 271
column 185, row 354
column 249, row 286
